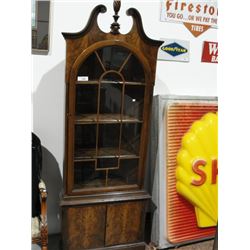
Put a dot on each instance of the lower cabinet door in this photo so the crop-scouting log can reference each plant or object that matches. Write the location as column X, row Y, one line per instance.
column 125, row 223
column 84, row 227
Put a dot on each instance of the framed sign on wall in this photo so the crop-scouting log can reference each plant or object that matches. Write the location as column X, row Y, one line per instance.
column 197, row 16
column 174, row 50
column 180, row 217
column 210, row 52
column 40, row 26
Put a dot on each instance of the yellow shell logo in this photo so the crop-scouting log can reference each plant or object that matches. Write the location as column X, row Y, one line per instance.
column 197, row 169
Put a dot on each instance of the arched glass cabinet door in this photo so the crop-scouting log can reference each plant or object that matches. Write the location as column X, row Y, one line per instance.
column 109, row 102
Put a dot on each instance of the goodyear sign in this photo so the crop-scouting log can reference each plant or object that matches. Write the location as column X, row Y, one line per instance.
column 174, row 50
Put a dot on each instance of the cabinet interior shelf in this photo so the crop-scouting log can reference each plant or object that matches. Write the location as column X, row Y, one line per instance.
column 100, row 183
column 90, row 153
column 105, row 118
column 110, row 82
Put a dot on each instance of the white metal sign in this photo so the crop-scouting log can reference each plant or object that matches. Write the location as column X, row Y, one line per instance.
column 174, row 50
column 197, row 16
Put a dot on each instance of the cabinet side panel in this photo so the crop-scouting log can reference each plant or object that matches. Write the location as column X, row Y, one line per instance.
column 85, row 227
column 125, row 223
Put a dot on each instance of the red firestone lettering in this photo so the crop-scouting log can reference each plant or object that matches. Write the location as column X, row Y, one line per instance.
column 198, row 8
column 211, row 10
column 168, row 4
column 205, row 9
column 190, row 7
column 183, row 5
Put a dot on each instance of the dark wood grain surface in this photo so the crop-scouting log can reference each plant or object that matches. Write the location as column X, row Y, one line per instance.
column 84, row 227
column 124, row 223
column 107, row 216
column 79, row 46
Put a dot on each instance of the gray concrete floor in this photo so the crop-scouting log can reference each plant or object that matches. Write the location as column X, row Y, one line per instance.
column 207, row 245
column 54, row 244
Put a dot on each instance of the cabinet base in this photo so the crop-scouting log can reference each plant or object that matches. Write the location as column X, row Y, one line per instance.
column 111, row 225
column 134, row 246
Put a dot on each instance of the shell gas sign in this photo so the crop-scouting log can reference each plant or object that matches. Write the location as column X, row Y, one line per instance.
column 192, row 171
column 197, row 169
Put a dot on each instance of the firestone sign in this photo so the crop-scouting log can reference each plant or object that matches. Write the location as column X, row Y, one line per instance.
column 197, row 16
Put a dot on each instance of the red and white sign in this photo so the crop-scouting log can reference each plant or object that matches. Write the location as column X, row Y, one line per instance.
column 197, row 16
column 180, row 213
column 210, row 52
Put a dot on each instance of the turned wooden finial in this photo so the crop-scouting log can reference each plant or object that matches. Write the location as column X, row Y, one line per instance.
column 115, row 26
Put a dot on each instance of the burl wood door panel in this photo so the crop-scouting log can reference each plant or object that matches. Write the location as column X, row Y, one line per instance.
column 125, row 223
column 84, row 227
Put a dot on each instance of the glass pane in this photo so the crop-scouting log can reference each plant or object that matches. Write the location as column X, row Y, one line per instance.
column 86, row 99
column 91, row 68
column 103, row 163
column 126, row 174
column 109, row 138
column 131, row 133
column 113, row 57
column 133, row 70
column 111, row 77
column 133, row 101
column 40, row 26
column 85, row 175
column 110, row 94
column 85, row 141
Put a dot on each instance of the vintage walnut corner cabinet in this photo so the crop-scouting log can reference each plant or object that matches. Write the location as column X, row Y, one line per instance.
column 110, row 79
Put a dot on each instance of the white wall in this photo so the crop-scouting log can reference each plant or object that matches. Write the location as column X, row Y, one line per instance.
column 48, row 90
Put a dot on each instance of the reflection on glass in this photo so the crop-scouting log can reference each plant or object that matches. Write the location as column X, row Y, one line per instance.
column 131, row 133
column 113, row 56
column 85, row 175
column 85, row 141
column 33, row 14
column 86, row 99
column 110, row 98
column 107, row 163
column 108, row 121
column 109, row 136
column 133, row 101
column 125, row 175
column 40, row 26
column 133, row 70
column 91, row 68
column 112, row 77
